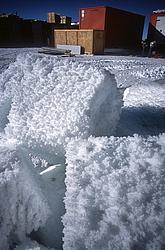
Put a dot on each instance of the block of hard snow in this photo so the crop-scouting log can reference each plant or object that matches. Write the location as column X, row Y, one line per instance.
column 54, row 100
column 23, row 207
column 115, row 196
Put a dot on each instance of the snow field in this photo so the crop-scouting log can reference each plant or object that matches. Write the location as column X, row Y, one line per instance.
column 115, row 193
column 130, row 70
column 23, row 207
column 54, row 100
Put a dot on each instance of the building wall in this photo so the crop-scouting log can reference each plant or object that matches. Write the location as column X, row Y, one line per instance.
column 10, row 29
column 122, row 28
column 53, row 18
column 65, row 20
column 35, row 33
column 92, row 18
column 16, row 32
column 154, row 16
column 156, row 30
column 160, row 24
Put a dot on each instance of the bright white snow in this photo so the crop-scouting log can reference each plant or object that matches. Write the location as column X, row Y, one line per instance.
column 23, row 207
column 130, row 70
column 115, row 196
column 54, row 100
column 48, row 101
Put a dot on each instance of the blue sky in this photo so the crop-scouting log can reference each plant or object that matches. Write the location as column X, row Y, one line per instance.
column 37, row 9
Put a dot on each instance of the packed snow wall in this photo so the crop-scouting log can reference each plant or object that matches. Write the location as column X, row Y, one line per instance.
column 115, row 196
column 23, row 206
column 54, row 100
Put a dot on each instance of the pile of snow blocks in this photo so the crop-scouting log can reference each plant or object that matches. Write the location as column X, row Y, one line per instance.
column 23, row 207
column 54, row 100
column 115, row 197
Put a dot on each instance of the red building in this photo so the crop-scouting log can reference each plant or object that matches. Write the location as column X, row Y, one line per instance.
column 156, row 31
column 122, row 29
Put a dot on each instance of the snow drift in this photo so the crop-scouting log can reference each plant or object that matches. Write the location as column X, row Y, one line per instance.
column 115, row 196
column 54, row 100
column 23, row 207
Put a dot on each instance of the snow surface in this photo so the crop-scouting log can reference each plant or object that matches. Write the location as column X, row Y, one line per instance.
column 31, row 245
column 134, row 95
column 8, row 56
column 115, row 196
column 144, row 109
column 46, row 101
column 54, row 100
column 130, row 70
column 23, row 207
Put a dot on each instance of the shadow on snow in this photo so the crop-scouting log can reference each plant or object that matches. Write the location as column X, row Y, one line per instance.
column 142, row 120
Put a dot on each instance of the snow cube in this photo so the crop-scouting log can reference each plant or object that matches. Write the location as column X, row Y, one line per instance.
column 115, row 194
column 56, row 99
column 23, row 207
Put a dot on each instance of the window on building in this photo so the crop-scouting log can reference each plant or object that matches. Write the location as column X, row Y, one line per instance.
column 82, row 13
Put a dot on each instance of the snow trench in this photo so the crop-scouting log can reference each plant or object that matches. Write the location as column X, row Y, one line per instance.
column 115, row 196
